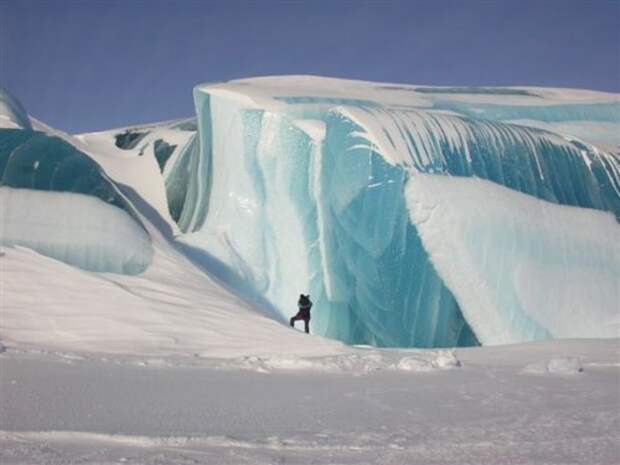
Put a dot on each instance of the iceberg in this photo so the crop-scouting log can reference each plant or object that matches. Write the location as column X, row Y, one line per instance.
column 299, row 184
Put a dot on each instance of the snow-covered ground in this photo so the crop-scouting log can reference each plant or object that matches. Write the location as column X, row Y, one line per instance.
column 537, row 403
column 170, row 367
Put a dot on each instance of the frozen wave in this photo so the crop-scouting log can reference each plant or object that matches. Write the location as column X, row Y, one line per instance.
column 77, row 229
column 297, row 183
column 520, row 268
column 58, row 201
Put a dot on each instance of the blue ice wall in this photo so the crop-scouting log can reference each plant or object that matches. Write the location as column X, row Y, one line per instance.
column 33, row 160
column 291, row 213
column 307, row 196
column 383, row 289
column 188, row 180
column 384, row 274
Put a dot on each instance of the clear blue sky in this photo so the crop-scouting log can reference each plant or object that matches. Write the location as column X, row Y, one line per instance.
column 89, row 65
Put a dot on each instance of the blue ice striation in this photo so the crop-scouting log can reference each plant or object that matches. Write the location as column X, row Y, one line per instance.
column 414, row 216
column 298, row 184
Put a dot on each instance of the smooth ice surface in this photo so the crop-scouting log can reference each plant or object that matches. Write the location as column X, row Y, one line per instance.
column 58, row 201
column 521, row 268
column 34, row 160
column 298, row 185
column 77, row 229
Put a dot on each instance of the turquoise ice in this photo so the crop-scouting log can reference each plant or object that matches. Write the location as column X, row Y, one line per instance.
column 298, row 185
column 414, row 216
column 57, row 201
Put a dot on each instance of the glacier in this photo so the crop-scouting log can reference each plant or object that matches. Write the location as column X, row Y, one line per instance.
column 415, row 216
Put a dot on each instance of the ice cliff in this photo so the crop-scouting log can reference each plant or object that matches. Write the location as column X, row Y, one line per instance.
column 414, row 216
column 299, row 184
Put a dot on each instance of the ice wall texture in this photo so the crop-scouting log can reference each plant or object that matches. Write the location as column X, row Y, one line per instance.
column 522, row 268
column 57, row 201
column 298, row 183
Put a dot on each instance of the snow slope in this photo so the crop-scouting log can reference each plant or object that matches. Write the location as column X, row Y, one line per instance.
column 172, row 310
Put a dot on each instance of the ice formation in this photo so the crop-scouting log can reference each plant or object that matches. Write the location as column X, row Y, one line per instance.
column 12, row 113
column 77, row 229
column 57, row 201
column 141, row 157
column 298, row 184
column 521, row 268
column 414, row 216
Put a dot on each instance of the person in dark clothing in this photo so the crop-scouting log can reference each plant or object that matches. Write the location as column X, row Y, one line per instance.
column 304, row 304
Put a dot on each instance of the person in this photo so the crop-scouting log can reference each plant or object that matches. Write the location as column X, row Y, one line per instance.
column 304, row 304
